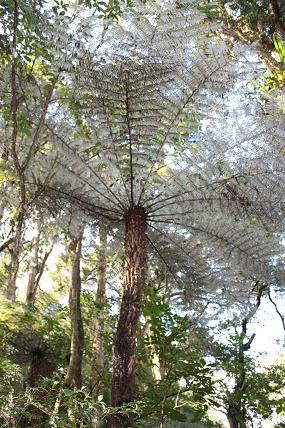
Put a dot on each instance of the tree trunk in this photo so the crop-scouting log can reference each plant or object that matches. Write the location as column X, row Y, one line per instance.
column 42, row 366
column 36, row 268
column 19, row 220
column 15, row 256
column 123, row 378
column 33, row 269
column 156, row 368
column 234, row 416
column 73, row 376
column 236, row 411
column 97, row 346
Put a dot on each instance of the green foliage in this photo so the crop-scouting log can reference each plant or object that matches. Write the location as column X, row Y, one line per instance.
column 246, row 10
column 10, row 375
column 261, row 391
column 210, row 10
column 110, row 9
column 280, row 49
column 275, row 78
column 23, row 328
column 60, row 408
column 31, row 41
column 180, row 362
column 255, row 22
column 250, row 17
column 266, row 391
column 227, row 355
column 91, row 310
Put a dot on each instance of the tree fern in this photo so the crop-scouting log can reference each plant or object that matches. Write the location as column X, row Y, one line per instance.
column 130, row 146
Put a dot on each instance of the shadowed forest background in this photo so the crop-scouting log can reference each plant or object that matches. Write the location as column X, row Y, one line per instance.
column 142, row 182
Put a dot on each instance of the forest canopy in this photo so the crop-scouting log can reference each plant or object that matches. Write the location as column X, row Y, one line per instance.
column 142, row 180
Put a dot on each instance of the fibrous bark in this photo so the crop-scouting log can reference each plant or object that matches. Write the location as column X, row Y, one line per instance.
column 42, row 365
column 123, row 380
column 73, row 377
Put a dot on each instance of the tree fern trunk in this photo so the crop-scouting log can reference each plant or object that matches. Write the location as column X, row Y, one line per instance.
column 73, row 376
column 42, row 366
column 125, row 342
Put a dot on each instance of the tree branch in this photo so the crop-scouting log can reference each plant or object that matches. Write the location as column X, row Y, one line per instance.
column 277, row 310
column 275, row 12
column 6, row 244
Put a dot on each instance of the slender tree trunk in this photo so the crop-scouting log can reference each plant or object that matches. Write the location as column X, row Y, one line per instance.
column 36, row 267
column 19, row 221
column 15, row 258
column 275, row 12
column 123, row 379
column 20, row 164
column 156, row 368
column 2, row 209
column 34, row 280
column 97, row 346
column 73, row 376
column 33, row 269
column 236, row 411
column 235, row 416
